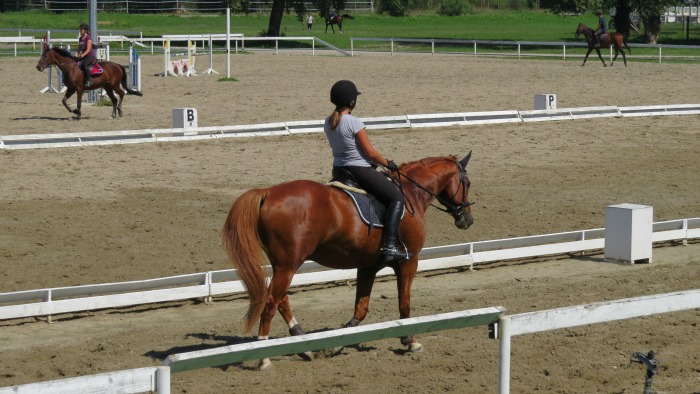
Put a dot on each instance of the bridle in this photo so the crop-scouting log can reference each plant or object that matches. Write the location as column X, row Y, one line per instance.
column 456, row 211
column 45, row 64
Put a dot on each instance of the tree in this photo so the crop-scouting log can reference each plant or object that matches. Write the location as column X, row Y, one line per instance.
column 280, row 6
column 649, row 12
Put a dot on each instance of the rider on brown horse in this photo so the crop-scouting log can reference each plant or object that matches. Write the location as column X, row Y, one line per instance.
column 601, row 29
column 353, row 153
column 86, row 53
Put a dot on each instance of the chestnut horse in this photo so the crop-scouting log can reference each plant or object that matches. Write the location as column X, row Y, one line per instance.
column 112, row 79
column 299, row 220
column 616, row 40
column 337, row 20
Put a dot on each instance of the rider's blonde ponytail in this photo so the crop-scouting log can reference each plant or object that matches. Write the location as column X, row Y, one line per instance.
column 335, row 118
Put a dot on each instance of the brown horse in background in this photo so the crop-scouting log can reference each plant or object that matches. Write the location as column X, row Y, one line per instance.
column 305, row 220
column 112, row 79
column 337, row 20
column 616, row 40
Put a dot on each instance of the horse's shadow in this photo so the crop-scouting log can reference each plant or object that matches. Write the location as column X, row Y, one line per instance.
column 70, row 118
column 226, row 340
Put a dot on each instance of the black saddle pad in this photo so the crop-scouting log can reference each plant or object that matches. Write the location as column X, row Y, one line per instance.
column 371, row 210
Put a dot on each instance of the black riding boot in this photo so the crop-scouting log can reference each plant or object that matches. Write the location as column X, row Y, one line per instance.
column 392, row 249
column 86, row 72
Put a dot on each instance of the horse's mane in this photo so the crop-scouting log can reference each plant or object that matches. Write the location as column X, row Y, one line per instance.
column 427, row 162
column 584, row 27
column 63, row 52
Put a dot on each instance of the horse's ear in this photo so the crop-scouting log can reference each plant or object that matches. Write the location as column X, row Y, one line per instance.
column 45, row 47
column 464, row 161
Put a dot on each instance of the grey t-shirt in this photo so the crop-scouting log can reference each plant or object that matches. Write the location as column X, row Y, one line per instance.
column 343, row 143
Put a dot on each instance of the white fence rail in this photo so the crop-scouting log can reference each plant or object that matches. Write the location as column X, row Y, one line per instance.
column 47, row 302
column 471, row 47
column 137, row 380
column 601, row 312
column 60, row 140
column 331, row 339
column 158, row 378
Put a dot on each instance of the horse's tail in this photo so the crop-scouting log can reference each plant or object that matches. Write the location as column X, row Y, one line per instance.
column 348, row 16
column 125, row 85
column 624, row 41
column 241, row 240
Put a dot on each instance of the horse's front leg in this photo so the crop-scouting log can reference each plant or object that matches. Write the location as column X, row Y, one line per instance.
column 585, row 59
column 614, row 58
column 600, row 57
column 279, row 284
column 68, row 95
column 405, row 273
column 79, row 98
column 365, row 282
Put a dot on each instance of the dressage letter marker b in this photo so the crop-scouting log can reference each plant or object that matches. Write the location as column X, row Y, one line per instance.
column 184, row 118
column 546, row 101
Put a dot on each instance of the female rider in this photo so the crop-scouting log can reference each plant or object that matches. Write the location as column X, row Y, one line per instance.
column 87, row 52
column 353, row 152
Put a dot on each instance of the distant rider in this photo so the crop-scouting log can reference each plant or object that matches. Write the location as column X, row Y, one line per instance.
column 601, row 29
column 87, row 52
column 332, row 15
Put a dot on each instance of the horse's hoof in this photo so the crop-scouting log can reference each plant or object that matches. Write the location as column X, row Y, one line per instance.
column 415, row 347
column 264, row 364
column 332, row 351
column 307, row 356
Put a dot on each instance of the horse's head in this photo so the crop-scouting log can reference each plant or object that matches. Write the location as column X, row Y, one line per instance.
column 581, row 29
column 54, row 56
column 455, row 197
column 45, row 60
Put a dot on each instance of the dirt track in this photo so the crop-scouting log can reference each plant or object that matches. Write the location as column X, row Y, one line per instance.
column 106, row 214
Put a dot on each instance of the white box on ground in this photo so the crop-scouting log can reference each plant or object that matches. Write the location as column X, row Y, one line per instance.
column 628, row 233
column 546, row 101
column 184, row 118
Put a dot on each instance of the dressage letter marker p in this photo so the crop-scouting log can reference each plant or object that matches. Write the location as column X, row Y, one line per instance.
column 184, row 118
column 546, row 101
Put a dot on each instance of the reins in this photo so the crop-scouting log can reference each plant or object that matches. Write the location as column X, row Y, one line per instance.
column 450, row 208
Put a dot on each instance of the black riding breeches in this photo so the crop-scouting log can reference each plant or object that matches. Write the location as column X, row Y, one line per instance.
column 85, row 64
column 376, row 184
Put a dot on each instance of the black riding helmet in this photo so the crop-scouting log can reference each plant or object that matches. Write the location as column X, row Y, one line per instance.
column 343, row 93
column 84, row 26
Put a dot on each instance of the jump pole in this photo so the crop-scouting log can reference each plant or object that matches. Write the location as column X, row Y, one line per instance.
column 211, row 70
column 228, row 43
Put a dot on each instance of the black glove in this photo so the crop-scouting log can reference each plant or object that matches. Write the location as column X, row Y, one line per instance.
column 392, row 166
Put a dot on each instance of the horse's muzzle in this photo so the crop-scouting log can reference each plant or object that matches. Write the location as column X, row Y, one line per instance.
column 463, row 221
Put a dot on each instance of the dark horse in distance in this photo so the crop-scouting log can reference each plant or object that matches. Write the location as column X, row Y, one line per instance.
column 112, row 79
column 616, row 40
column 304, row 220
column 337, row 20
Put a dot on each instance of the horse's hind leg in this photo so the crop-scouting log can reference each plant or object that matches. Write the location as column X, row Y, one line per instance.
column 279, row 284
column 113, row 98
column 116, row 103
column 121, row 94
column 294, row 327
